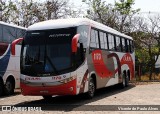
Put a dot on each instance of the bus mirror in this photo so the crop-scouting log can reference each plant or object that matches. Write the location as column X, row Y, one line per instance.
column 75, row 42
column 14, row 44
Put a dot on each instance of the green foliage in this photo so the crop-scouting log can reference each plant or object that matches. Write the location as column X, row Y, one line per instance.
column 28, row 12
column 7, row 9
column 116, row 16
column 142, row 56
column 125, row 7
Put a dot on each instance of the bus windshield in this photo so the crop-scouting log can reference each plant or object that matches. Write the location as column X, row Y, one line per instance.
column 47, row 52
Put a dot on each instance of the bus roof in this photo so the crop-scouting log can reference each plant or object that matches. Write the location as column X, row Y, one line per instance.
column 11, row 25
column 72, row 22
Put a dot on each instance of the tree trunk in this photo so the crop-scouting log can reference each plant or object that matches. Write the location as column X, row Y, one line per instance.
column 150, row 74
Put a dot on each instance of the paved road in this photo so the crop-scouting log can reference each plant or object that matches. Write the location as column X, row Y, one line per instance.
column 143, row 94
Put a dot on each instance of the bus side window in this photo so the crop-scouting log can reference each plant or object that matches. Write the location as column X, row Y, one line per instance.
column 103, row 40
column 123, row 45
column 131, row 46
column 82, row 43
column 94, row 43
column 9, row 34
column 127, row 45
column 118, row 43
column 1, row 34
column 111, row 42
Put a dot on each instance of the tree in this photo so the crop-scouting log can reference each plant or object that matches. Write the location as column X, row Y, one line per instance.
column 6, row 10
column 147, row 40
column 118, row 16
column 125, row 14
column 101, row 12
column 25, row 13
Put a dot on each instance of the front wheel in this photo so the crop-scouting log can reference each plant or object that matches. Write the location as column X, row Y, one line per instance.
column 126, row 80
column 1, row 88
column 91, row 88
column 9, row 87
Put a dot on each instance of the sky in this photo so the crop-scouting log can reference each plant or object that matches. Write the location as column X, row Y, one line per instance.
column 146, row 6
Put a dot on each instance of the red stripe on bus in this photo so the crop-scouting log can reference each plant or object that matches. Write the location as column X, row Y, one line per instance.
column 100, row 68
column 84, row 81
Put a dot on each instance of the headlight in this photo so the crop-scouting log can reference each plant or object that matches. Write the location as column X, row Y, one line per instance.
column 68, row 79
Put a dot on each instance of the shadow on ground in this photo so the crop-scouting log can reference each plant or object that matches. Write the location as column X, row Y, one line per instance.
column 16, row 92
column 73, row 103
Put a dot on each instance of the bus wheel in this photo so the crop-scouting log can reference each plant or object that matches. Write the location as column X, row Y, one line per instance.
column 126, row 80
column 91, row 88
column 123, row 83
column 1, row 88
column 47, row 97
column 9, row 87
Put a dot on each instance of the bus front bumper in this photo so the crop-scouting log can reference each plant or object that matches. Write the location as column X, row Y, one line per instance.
column 63, row 89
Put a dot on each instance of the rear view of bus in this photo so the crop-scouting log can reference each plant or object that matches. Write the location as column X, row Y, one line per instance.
column 57, row 59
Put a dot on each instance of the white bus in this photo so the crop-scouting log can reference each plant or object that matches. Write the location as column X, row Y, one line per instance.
column 73, row 56
column 10, row 57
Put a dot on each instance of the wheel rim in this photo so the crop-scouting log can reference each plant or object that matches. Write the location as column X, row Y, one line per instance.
column 8, row 86
column 127, row 80
column 91, row 88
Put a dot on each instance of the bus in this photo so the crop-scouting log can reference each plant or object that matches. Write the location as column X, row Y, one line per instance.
column 73, row 56
column 10, row 57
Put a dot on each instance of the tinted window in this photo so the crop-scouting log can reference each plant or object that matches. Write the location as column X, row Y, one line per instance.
column 9, row 34
column 103, row 40
column 1, row 37
column 94, row 43
column 131, row 46
column 83, row 40
column 111, row 42
column 123, row 45
column 83, row 31
column 47, row 51
column 118, row 43
column 127, row 45
column 20, row 33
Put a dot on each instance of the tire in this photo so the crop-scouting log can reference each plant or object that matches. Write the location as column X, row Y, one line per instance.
column 47, row 97
column 123, row 83
column 9, row 87
column 1, row 88
column 126, row 80
column 91, row 89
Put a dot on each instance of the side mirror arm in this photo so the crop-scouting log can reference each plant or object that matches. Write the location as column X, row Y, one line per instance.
column 13, row 45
